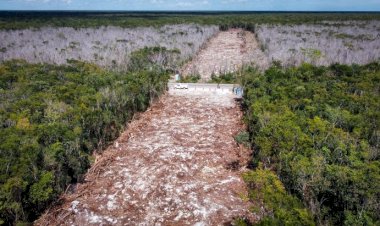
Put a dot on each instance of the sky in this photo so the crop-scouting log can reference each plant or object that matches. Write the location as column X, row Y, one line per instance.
column 188, row 5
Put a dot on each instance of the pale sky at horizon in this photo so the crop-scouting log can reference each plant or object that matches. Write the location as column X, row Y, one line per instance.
column 184, row 5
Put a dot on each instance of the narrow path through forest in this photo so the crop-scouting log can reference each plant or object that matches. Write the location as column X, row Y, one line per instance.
column 176, row 164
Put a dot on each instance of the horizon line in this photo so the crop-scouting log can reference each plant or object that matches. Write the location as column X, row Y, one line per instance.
column 190, row 11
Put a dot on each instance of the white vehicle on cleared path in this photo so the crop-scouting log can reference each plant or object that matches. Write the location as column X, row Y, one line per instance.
column 181, row 86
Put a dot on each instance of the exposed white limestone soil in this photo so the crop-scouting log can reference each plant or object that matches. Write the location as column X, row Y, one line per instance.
column 226, row 52
column 171, row 167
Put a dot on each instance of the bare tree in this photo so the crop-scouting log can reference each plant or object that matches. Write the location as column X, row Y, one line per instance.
column 109, row 47
column 325, row 43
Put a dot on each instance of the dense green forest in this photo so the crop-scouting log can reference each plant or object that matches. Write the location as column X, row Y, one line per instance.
column 314, row 131
column 35, row 19
column 318, row 129
column 53, row 117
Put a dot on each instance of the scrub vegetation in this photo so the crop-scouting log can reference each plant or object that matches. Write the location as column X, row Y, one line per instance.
column 53, row 118
column 70, row 83
column 344, row 42
column 23, row 20
column 318, row 129
column 109, row 47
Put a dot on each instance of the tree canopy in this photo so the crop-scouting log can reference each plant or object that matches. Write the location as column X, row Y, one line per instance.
column 318, row 129
column 52, row 118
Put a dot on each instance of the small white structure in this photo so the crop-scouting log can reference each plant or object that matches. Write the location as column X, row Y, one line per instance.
column 177, row 77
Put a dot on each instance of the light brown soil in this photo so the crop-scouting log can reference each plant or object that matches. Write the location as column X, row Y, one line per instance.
column 226, row 52
column 178, row 164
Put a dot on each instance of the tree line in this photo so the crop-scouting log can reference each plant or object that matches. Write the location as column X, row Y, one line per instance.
column 24, row 19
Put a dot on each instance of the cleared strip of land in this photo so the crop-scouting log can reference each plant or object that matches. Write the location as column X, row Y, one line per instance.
column 226, row 52
column 178, row 164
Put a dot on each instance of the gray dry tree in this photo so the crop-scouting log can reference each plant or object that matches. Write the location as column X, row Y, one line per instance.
column 109, row 47
column 348, row 42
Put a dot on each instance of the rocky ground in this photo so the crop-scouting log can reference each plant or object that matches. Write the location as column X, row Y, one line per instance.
column 177, row 164
column 226, row 52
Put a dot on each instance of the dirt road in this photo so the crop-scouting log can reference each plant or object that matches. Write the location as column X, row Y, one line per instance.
column 178, row 164
column 226, row 52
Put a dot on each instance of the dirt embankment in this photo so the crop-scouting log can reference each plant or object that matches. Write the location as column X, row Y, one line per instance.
column 226, row 52
column 178, row 164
